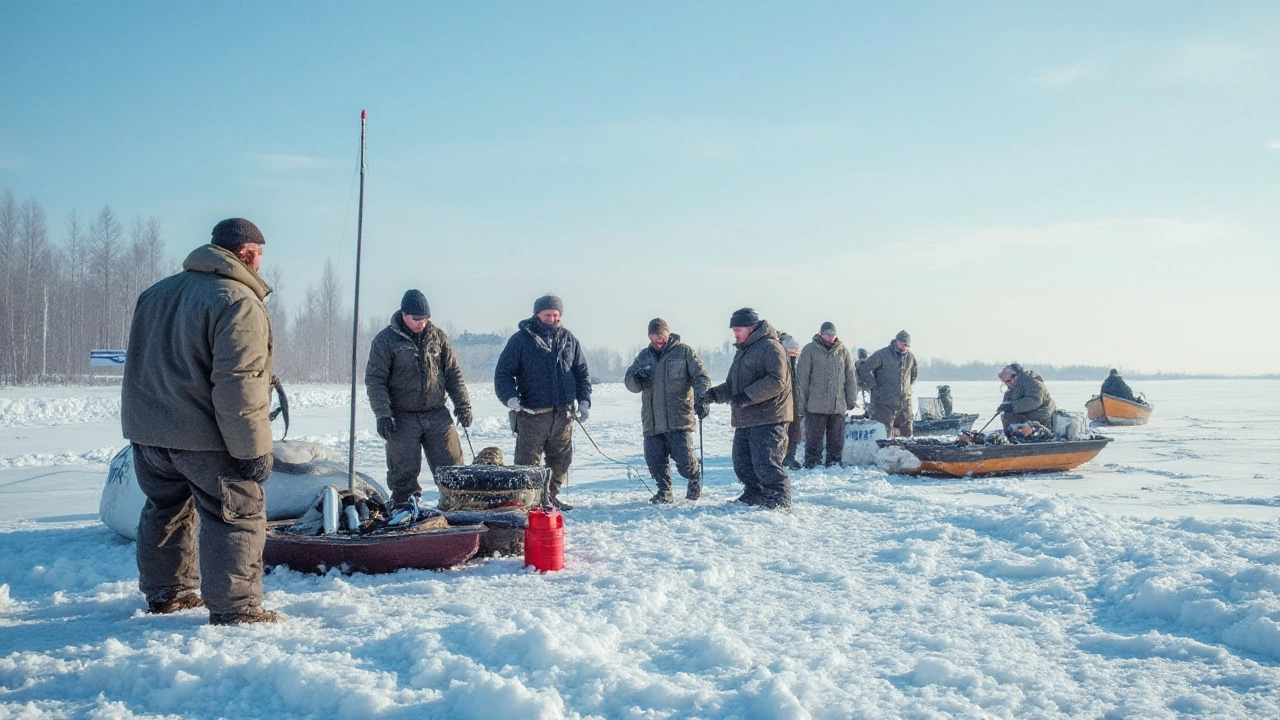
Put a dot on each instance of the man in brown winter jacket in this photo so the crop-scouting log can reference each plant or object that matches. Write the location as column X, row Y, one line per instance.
column 889, row 374
column 758, row 391
column 828, row 388
column 411, row 371
column 194, row 402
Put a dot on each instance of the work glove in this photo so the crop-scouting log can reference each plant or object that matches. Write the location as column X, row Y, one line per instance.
column 514, row 404
column 740, row 400
column 702, row 407
column 1005, row 407
column 643, row 375
column 386, row 426
column 463, row 413
column 583, row 410
column 257, row 469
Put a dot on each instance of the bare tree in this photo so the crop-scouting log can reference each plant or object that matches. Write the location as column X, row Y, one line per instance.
column 104, row 255
column 8, row 296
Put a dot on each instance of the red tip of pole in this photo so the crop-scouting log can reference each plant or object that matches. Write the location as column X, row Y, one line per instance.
column 364, row 115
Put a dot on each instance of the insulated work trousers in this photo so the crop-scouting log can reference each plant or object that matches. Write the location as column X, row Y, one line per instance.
column 549, row 433
column 757, row 461
column 415, row 432
column 816, row 428
column 795, row 435
column 190, row 492
column 677, row 445
column 894, row 418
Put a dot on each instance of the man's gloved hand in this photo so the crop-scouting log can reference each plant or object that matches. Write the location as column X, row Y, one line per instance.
column 740, row 400
column 257, row 469
column 386, row 426
column 643, row 375
column 702, row 407
column 1004, row 407
column 584, row 410
column 463, row 413
column 514, row 404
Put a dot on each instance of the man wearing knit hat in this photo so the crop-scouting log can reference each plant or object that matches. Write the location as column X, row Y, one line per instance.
column 889, row 374
column 194, row 403
column 828, row 388
column 758, row 390
column 412, row 370
column 1026, row 398
column 795, row 428
column 672, row 382
column 543, row 380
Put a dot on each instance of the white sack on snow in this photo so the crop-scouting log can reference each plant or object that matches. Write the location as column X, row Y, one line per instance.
column 301, row 471
column 897, row 461
column 860, row 436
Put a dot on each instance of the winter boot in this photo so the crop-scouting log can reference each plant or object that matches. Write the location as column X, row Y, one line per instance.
column 664, row 495
column 257, row 614
column 171, row 601
column 694, row 490
column 790, row 460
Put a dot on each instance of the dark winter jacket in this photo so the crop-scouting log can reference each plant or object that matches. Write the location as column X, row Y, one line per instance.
column 1115, row 386
column 760, row 371
column 408, row 373
column 676, row 381
column 1030, row 399
column 826, row 379
column 889, row 375
column 198, row 376
column 544, row 369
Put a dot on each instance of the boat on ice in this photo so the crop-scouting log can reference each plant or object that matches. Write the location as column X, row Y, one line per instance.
column 952, row 425
column 961, row 458
column 418, row 548
column 1112, row 410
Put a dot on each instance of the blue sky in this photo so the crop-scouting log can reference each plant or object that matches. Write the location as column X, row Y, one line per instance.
column 1079, row 182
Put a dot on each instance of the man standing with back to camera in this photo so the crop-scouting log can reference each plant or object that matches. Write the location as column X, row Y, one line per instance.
column 194, row 403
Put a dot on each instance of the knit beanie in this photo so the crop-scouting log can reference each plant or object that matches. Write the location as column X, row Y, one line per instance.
column 904, row 337
column 658, row 326
column 234, row 233
column 828, row 328
column 415, row 303
column 744, row 317
column 547, row 302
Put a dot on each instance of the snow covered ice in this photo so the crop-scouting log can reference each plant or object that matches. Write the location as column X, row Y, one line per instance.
column 1143, row 584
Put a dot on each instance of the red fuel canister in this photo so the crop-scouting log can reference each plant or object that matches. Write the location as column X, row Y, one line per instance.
column 544, row 540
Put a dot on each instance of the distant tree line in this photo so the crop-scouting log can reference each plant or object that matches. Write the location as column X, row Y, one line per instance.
column 60, row 300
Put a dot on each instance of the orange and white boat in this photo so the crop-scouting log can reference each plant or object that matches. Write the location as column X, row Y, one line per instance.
column 1111, row 410
column 962, row 460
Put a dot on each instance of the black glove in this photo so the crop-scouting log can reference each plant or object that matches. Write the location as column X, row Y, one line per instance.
column 702, row 408
column 257, row 469
column 740, row 400
column 643, row 375
column 386, row 426
column 1004, row 407
column 463, row 413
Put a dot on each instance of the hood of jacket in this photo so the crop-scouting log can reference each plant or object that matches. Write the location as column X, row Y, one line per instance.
column 223, row 262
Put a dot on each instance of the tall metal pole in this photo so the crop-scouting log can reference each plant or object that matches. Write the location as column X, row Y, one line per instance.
column 355, row 316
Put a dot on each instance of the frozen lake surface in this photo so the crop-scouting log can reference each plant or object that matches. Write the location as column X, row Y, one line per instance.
column 1143, row 584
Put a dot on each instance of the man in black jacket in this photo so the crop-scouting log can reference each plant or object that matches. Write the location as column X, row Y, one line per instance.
column 543, row 380
column 411, row 370
column 758, row 391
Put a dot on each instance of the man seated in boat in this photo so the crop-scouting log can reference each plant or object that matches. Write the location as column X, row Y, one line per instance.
column 1115, row 386
column 1026, row 398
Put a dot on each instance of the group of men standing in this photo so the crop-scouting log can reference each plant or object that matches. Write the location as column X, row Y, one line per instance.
column 195, row 405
